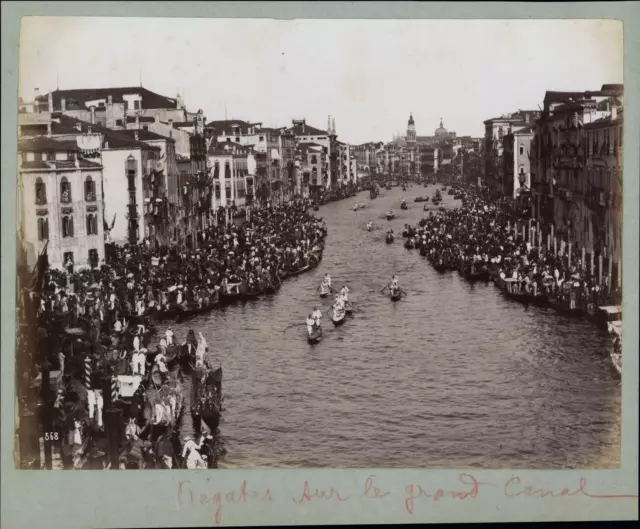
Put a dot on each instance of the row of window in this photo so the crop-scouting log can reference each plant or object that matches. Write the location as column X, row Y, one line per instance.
column 65, row 190
column 67, row 226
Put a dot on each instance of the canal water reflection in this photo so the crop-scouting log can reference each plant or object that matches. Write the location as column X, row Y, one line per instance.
column 453, row 375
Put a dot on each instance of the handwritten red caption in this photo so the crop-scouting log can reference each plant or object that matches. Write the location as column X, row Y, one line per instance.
column 469, row 489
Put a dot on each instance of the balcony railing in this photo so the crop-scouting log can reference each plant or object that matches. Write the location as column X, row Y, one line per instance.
column 41, row 200
column 65, row 198
column 90, row 196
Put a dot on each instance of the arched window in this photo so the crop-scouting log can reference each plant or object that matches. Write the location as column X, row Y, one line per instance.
column 43, row 229
column 521, row 149
column 67, row 226
column 41, row 191
column 65, row 190
column 89, row 189
column 92, row 224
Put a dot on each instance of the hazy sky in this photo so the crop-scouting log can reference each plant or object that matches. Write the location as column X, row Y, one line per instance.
column 368, row 74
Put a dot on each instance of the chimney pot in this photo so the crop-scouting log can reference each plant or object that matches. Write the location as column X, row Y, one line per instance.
column 135, row 135
column 110, row 99
column 50, row 100
column 93, row 114
column 63, row 104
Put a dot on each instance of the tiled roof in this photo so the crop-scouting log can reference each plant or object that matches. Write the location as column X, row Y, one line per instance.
column 46, row 144
column 146, row 135
column 115, row 139
column 76, row 98
column 226, row 126
column 306, row 130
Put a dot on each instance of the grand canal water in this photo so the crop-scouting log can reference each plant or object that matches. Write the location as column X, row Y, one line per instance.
column 453, row 375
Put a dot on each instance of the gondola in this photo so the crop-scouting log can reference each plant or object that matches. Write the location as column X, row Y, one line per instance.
column 324, row 291
column 348, row 307
column 404, row 206
column 338, row 317
column 207, row 396
column 389, row 238
column 409, row 244
column 273, row 288
column 316, row 207
column 421, row 199
column 390, row 216
column 315, row 335
column 475, row 273
column 184, row 310
column 395, row 295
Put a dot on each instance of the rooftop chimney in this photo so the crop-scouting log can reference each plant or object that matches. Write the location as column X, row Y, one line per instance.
column 110, row 99
column 36, row 93
column 135, row 134
column 63, row 105
column 79, row 126
column 49, row 128
column 93, row 114
column 50, row 99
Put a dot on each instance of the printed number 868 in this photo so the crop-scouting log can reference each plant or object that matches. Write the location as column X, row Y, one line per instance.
column 51, row 436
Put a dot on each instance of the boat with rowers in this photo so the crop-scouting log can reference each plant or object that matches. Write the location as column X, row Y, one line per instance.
column 338, row 315
column 390, row 215
column 369, row 225
column 389, row 237
column 395, row 292
column 421, row 199
column 403, row 205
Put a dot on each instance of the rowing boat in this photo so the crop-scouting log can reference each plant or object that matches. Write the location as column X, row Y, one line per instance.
column 324, row 291
column 395, row 295
column 338, row 316
column 315, row 335
column 389, row 238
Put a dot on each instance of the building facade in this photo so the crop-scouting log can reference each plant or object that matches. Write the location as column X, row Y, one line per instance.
column 61, row 203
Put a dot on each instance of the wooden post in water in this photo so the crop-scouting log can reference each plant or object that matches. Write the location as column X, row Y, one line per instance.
column 600, row 269
column 555, row 247
column 523, row 235
column 569, row 255
column 548, row 242
column 610, row 270
column 539, row 238
column 583, row 257
column 592, row 263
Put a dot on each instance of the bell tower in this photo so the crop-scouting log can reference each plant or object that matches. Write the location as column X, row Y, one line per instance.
column 411, row 131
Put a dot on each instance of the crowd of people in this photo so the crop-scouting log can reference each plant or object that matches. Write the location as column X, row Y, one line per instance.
column 100, row 321
column 480, row 238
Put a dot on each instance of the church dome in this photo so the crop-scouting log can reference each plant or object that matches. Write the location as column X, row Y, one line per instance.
column 411, row 122
column 441, row 131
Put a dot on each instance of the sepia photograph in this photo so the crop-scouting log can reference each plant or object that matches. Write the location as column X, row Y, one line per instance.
column 339, row 243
